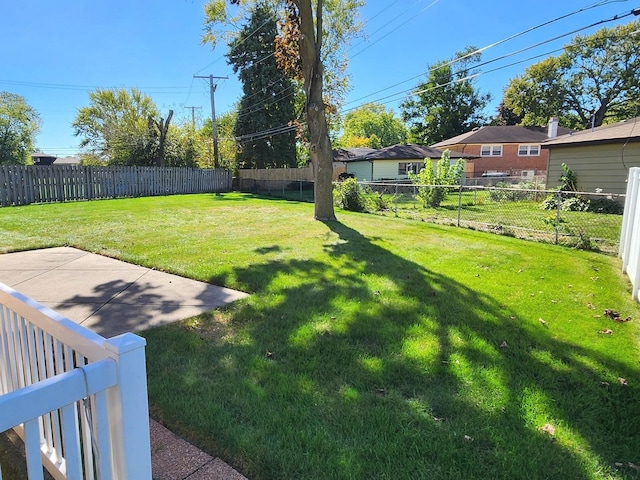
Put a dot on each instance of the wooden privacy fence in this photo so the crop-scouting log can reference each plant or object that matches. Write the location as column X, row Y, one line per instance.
column 23, row 185
column 630, row 235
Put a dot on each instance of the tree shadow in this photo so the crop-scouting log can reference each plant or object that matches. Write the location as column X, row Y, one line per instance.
column 373, row 366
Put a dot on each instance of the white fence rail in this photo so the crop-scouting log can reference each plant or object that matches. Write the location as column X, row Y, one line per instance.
column 630, row 234
column 23, row 185
column 78, row 400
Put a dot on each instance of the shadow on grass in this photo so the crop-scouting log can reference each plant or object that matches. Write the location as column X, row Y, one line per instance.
column 372, row 366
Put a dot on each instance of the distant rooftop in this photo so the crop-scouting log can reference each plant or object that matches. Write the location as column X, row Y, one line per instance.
column 626, row 130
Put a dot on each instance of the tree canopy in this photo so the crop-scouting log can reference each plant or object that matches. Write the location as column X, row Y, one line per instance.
column 447, row 103
column 309, row 30
column 595, row 80
column 266, row 113
column 374, row 126
column 123, row 127
column 19, row 124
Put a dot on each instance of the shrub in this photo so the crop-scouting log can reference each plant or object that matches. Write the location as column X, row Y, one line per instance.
column 606, row 205
column 430, row 191
column 348, row 195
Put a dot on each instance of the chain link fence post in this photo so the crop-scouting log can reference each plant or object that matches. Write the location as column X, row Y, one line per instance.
column 459, row 203
column 558, row 205
column 396, row 200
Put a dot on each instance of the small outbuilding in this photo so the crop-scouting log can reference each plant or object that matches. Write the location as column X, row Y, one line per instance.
column 600, row 157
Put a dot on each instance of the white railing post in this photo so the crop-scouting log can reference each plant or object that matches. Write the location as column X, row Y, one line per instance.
column 129, row 409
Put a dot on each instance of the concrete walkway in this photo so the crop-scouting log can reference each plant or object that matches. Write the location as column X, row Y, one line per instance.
column 112, row 297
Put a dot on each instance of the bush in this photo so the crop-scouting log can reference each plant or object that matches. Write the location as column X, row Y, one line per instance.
column 571, row 204
column 521, row 192
column 606, row 205
column 430, row 190
column 348, row 195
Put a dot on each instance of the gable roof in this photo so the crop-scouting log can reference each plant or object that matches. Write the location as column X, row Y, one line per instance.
column 406, row 152
column 626, row 130
column 501, row 134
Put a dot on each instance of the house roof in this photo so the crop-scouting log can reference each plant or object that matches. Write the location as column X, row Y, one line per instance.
column 627, row 130
column 406, row 152
column 501, row 134
column 344, row 154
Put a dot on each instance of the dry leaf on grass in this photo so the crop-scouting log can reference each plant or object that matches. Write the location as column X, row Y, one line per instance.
column 606, row 332
column 590, row 305
column 634, row 466
column 550, row 429
column 504, row 344
column 467, row 438
column 542, row 321
column 623, row 381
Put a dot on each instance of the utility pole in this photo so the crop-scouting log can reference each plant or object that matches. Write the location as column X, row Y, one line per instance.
column 212, row 89
column 193, row 116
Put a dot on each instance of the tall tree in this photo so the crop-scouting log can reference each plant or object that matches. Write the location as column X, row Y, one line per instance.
column 374, row 126
column 595, row 80
column 448, row 103
column 266, row 107
column 19, row 124
column 300, row 53
column 123, row 128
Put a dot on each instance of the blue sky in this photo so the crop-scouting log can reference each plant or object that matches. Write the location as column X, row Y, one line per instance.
column 55, row 53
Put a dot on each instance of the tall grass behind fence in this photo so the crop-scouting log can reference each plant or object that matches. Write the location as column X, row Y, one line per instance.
column 23, row 185
column 629, row 250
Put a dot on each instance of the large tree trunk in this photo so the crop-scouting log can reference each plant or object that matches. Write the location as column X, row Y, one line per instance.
column 320, row 144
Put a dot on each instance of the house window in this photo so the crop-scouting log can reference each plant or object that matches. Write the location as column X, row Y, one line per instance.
column 491, row 151
column 405, row 167
column 528, row 150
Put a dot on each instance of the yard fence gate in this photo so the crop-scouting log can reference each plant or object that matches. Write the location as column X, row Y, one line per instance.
column 630, row 235
column 23, row 185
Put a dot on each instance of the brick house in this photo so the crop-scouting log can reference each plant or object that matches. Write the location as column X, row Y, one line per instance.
column 513, row 151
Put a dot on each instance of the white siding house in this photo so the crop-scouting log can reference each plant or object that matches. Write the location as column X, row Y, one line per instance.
column 394, row 163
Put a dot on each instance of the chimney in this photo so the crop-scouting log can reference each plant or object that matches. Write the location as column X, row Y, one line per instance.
column 553, row 127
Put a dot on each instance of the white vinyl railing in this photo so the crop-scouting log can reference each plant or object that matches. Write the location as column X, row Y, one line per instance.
column 78, row 400
column 630, row 235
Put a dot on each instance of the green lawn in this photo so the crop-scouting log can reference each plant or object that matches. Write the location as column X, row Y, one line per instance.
column 374, row 347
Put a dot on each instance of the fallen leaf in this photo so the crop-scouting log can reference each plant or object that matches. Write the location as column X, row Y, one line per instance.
column 590, row 305
column 467, row 438
column 628, row 319
column 542, row 322
column 554, row 301
column 618, row 464
column 377, row 292
column 605, row 332
column 550, row 429
column 623, row 381
column 268, row 354
column 595, row 279
column 612, row 314
column 634, row 466
column 504, row 344
column 438, row 419
column 604, row 384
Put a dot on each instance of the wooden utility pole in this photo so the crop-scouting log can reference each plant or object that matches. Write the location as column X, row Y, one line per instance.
column 193, row 116
column 212, row 90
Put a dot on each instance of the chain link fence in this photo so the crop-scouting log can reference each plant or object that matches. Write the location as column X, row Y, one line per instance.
column 581, row 219
column 584, row 220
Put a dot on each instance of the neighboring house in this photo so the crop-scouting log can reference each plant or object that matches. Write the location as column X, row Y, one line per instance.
column 394, row 163
column 45, row 159
column 513, row 151
column 600, row 157
column 342, row 155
